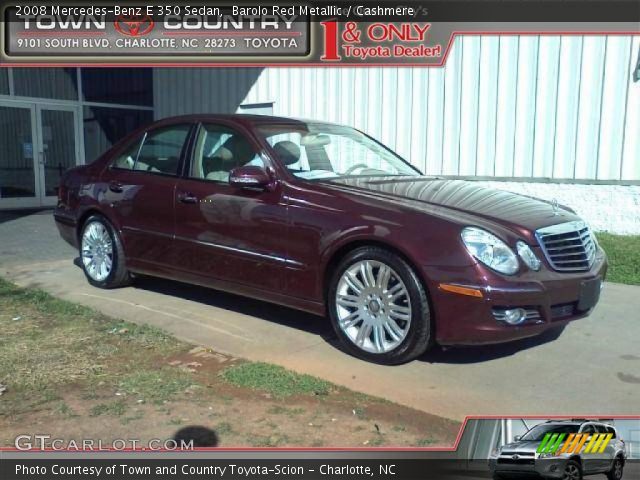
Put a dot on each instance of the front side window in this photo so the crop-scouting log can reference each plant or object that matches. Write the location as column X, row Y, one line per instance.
column 316, row 151
column 219, row 150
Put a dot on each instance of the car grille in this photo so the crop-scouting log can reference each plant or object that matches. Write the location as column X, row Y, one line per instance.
column 569, row 247
column 522, row 458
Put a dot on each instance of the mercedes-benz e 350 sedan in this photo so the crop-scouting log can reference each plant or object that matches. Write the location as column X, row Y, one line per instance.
column 323, row 218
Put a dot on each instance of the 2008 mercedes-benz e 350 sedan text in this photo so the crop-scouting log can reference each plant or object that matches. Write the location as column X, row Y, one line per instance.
column 323, row 218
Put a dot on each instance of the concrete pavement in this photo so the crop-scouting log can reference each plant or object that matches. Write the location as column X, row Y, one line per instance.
column 592, row 368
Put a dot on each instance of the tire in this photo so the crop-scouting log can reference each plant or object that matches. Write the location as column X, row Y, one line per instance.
column 380, row 293
column 572, row 471
column 99, row 240
column 617, row 469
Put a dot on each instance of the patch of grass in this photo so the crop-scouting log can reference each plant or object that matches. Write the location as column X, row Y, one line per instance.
column 269, row 441
column 275, row 379
column 156, row 386
column 66, row 411
column 224, row 428
column 116, row 408
column 281, row 410
column 425, row 442
column 623, row 252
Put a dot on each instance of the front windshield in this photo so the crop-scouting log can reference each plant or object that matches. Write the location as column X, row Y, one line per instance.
column 317, row 151
column 537, row 433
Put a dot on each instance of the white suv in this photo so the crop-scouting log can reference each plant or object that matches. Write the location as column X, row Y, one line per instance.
column 526, row 455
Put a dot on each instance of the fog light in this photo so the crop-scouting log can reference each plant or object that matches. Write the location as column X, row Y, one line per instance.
column 514, row 316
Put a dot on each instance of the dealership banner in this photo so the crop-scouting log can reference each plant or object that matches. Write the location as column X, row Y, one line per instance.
column 260, row 33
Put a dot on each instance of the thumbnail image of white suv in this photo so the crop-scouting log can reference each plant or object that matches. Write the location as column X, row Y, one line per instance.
column 562, row 450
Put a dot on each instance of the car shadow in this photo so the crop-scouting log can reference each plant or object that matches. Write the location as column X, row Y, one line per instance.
column 238, row 304
column 485, row 353
column 320, row 326
column 10, row 215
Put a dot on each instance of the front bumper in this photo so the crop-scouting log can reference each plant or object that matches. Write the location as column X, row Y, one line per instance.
column 466, row 320
column 552, row 467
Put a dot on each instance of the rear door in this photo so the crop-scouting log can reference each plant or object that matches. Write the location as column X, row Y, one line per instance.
column 589, row 460
column 141, row 183
column 225, row 232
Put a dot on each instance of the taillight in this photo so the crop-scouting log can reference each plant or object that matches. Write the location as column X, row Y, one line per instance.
column 62, row 193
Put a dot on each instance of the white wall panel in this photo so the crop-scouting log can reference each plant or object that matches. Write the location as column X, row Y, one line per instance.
column 525, row 106
column 614, row 106
column 509, row 106
column 487, row 106
column 469, row 105
column 507, row 99
column 546, row 106
column 564, row 150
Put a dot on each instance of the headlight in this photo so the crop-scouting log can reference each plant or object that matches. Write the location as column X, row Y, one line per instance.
column 527, row 255
column 546, row 455
column 490, row 250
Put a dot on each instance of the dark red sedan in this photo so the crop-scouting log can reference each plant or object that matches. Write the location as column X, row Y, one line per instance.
column 323, row 218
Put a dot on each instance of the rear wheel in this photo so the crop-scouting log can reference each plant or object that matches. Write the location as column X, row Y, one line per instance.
column 102, row 254
column 379, row 308
column 616, row 470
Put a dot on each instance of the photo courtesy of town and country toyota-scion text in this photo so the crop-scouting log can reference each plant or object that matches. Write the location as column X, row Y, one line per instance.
column 317, row 240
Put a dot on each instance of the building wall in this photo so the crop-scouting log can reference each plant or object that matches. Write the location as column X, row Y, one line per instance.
column 515, row 108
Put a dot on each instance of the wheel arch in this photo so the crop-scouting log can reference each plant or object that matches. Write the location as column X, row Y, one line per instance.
column 341, row 251
column 82, row 219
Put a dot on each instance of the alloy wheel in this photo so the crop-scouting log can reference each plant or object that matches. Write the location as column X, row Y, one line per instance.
column 617, row 469
column 373, row 306
column 97, row 251
column 571, row 472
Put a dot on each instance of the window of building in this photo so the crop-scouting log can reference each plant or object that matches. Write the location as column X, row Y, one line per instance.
column 219, row 150
column 104, row 126
column 128, row 86
column 4, row 81
column 161, row 149
column 55, row 83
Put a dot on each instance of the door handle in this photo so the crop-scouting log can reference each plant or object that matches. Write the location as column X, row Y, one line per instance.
column 186, row 197
column 115, row 187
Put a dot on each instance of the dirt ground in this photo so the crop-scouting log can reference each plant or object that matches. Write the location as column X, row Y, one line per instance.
column 74, row 374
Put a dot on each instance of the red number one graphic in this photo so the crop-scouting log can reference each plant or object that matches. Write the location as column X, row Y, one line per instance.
column 330, row 42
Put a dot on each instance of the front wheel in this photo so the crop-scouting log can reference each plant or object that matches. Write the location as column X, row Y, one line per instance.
column 572, row 471
column 379, row 308
column 102, row 254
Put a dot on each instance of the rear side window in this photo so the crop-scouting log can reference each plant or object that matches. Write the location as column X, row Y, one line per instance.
column 157, row 151
column 612, row 431
column 127, row 159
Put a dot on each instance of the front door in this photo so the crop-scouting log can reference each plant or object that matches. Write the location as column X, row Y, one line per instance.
column 224, row 232
column 37, row 144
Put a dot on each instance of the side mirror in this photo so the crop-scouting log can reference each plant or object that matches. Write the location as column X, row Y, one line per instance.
column 517, row 438
column 250, row 176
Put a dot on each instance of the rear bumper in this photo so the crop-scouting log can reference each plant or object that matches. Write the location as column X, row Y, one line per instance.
column 466, row 320
column 67, row 226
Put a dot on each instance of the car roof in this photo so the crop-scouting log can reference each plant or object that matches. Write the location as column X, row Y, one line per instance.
column 576, row 422
column 241, row 118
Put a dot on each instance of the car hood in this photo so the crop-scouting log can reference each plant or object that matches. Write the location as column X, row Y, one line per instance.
column 521, row 447
column 505, row 208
